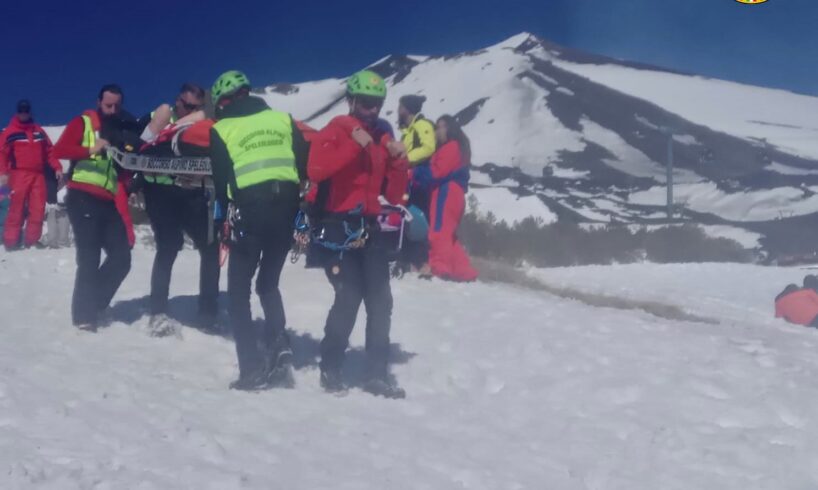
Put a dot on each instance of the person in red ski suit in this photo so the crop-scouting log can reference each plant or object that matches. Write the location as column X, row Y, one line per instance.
column 448, row 178
column 25, row 150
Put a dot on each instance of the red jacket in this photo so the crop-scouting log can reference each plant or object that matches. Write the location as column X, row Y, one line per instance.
column 25, row 146
column 69, row 147
column 307, row 131
column 446, row 160
column 800, row 307
column 357, row 176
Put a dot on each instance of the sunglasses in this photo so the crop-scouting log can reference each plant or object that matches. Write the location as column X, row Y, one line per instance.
column 369, row 103
column 190, row 107
column 24, row 110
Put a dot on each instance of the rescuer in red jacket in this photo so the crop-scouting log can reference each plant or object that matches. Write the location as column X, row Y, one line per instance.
column 94, row 188
column 356, row 164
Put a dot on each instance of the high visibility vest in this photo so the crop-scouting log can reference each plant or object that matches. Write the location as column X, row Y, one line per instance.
column 260, row 146
column 163, row 179
column 97, row 170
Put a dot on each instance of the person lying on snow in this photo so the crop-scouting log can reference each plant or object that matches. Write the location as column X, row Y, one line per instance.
column 799, row 305
column 175, row 131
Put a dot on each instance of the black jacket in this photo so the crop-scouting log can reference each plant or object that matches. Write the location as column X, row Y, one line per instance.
column 122, row 131
column 222, row 164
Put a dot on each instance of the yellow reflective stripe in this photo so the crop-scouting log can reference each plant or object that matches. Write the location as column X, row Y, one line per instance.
column 89, row 138
column 89, row 166
column 263, row 165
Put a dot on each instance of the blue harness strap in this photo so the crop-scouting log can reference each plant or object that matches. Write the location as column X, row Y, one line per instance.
column 442, row 196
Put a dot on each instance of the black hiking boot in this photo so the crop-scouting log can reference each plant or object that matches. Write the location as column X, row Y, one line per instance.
column 207, row 321
column 279, row 363
column 333, row 383
column 384, row 386
column 255, row 381
column 87, row 327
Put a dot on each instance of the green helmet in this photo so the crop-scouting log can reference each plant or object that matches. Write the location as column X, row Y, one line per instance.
column 227, row 84
column 366, row 83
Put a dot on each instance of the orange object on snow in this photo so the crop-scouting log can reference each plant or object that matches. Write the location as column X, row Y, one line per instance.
column 799, row 306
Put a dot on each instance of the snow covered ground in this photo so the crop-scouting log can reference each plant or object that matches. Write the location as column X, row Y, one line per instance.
column 507, row 389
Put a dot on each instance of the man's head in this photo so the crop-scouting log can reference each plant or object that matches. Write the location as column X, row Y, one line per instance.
column 24, row 110
column 110, row 100
column 190, row 99
column 229, row 86
column 366, row 92
column 409, row 107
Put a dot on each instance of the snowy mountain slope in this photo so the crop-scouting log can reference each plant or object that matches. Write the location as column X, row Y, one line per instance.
column 567, row 397
column 564, row 124
column 782, row 118
column 585, row 135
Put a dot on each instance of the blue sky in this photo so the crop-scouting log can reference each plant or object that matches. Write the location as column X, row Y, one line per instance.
column 58, row 53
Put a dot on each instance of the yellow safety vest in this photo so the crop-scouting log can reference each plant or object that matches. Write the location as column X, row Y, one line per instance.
column 97, row 170
column 260, row 146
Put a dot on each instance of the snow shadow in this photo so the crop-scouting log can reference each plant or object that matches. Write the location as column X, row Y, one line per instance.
column 307, row 353
column 182, row 309
column 306, row 348
column 129, row 311
column 492, row 271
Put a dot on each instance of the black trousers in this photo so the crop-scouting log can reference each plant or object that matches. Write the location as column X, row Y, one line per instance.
column 174, row 211
column 267, row 233
column 97, row 227
column 360, row 276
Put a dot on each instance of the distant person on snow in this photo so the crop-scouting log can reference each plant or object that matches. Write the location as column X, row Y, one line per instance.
column 354, row 160
column 447, row 176
column 58, row 233
column 56, row 217
column 25, row 152
column 174, row 209
column 259, row 158
column 799, row 305
column 418, row 139
column 93, row 186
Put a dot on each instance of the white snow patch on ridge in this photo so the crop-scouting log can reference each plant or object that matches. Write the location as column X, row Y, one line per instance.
column 789, row 170
column 763, row 205
column 508, row 207
column 784, row 119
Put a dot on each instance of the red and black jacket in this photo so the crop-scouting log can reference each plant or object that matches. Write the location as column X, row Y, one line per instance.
column 25, row 146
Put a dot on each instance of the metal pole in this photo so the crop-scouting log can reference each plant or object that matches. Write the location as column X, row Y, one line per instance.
column 670, row 176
